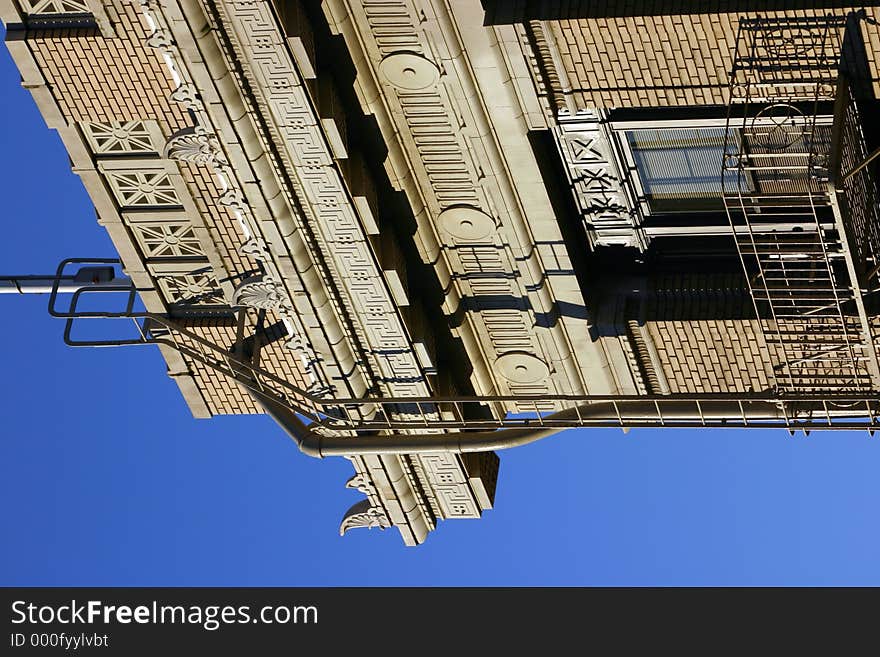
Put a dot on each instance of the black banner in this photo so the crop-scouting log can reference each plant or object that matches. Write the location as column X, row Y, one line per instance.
column 244, row 621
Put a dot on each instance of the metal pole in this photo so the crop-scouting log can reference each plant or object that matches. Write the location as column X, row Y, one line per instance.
column 43, row 284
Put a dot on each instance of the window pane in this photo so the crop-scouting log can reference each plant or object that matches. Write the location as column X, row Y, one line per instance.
column 680, row 169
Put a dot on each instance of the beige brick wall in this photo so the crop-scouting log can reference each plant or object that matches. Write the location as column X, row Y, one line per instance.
column 663, row 60
column 94, row 78
column 219, row 220
column 700, row 353
column 108, row 79
column 222, row 395
column 712, row 355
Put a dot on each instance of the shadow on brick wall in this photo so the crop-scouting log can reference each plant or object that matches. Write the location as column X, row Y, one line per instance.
column 517, row 11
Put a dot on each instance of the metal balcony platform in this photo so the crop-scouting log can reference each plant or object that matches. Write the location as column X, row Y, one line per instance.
column 808, row 287
column 427, row 416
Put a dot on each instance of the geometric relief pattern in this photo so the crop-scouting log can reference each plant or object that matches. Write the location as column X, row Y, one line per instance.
column 456, row 501
column 393, row 24
column 324, row 192
column 449, row 485
column 598, row 188
column 118, row 137
column 142, row 188
column 451, row 164
column 190, row 289
column 162, row 240
column 33, row 7
column 440, row 149
column 349, row 250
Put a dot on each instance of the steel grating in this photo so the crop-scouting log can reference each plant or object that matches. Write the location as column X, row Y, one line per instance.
column 805, row 285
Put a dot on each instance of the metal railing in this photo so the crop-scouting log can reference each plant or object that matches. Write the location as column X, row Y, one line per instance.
column 333, row 416
column 783, row 163
column 432, row 413
column 807, row 286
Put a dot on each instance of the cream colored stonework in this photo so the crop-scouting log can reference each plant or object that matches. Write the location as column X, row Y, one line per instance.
column 214, row 142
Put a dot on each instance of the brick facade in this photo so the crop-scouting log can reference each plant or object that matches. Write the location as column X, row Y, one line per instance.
column 661, row 60
column 118, row 78
column 95, row 78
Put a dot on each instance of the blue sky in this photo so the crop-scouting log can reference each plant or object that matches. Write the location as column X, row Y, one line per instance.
column 105, row 478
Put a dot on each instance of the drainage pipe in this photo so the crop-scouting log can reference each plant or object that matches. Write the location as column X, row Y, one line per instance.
column 319, row 446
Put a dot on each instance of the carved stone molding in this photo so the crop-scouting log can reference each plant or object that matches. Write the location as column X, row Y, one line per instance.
column 260, row 292
column 364, row 514
column 118, row 137
column 145, row 188
column 166, row 239
column 296, row 343
column 597, row 184
column 466, row 223
column 255, row 248
column 522, row 367
column 409, row 71
column 152, row 5
column 361, row 482
column 296, row 128
column 190, row 289
column 161, row 39
column 188, row 96
column 443, row 132
column 234, row 199
column 338, row 241
column 195, row 145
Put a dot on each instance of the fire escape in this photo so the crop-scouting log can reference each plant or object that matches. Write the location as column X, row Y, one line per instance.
column 811, row 289
column 795, row 151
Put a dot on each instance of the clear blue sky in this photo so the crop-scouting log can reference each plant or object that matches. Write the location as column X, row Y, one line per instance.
column 105, row 478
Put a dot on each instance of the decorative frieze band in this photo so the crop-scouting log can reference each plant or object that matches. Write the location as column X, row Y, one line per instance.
column 53, row 7
column 257, row 44
column 121, row 138
column 199, row 145
column 150, row 200
column 447, row 149
column 326, row 197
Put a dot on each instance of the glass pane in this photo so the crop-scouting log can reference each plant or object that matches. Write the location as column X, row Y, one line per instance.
column 680, row 169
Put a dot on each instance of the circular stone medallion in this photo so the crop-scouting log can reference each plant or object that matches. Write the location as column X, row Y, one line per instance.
column 466, row 223
column 522, row 367
column 409, row 71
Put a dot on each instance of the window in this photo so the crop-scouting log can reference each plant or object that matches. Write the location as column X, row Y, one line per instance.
column 680, row 168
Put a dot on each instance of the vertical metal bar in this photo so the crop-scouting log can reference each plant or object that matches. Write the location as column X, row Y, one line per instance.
column 617, row 411
column 577, row 410
column 659, row 413
column 700, row 413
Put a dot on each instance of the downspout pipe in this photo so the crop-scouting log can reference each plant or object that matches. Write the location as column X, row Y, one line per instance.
column 485, row 441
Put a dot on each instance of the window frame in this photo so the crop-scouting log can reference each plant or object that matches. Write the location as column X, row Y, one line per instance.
column 626, row 160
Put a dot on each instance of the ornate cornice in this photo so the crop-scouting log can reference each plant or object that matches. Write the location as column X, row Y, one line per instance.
column 305, row 169
column 445, row 152
column 198, row 144
column 364, row 514
column 195, row 145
